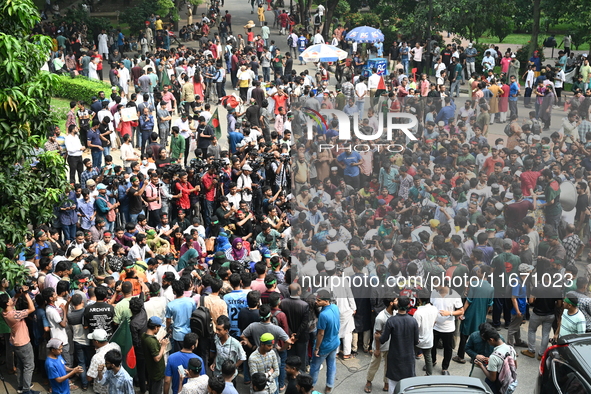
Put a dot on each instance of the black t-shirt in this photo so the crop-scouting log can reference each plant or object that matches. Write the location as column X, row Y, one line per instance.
column 99, row 315
column 135, row 202
column 291, row 386
column 582, row 204
column 546, row 297
column 245, row 229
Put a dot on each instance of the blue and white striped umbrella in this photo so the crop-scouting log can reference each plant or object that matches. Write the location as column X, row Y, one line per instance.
column 365, row 34
column 323, row 53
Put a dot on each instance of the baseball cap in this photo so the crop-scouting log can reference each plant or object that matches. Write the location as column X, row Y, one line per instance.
column 507, row 242
column 156, row 321
column 246, row 167
column 524, row 240
column 99, row 335
column 101, row 186
column 76, row 252
column 267, row 339
column 330, row 265
column 54, row 343
column 90, row 182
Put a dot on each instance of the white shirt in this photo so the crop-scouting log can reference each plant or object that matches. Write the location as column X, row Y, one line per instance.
column 184, row 129
column 361, row 90
column 449, row 303
column 529, row 79
column 54, row 316
column 73, row 145
column 425, row 316
column 373, row 81
column 162, row 269
column 127, row 152
column 559, row 79
column 138, row 253
column 318, row 39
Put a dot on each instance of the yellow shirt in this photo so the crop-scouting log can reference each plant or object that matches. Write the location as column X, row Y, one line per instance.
column 158, row 24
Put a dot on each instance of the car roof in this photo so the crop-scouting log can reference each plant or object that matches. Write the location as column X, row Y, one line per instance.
column 441, row 384
column 579, row 345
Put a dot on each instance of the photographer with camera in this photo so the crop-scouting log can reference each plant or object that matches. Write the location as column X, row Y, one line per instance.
column 277, row 177
column 19, row 337
column 154, row 199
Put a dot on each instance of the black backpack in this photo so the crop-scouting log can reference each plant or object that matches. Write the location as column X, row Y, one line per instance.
column 201, row 323
column 290, row 41
column 507, row 130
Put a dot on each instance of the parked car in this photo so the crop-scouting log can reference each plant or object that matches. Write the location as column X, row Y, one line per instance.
column 565, row 368
column 441, row 384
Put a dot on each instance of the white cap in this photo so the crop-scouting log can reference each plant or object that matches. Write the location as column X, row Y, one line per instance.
column 246, row 167
column 99, row 335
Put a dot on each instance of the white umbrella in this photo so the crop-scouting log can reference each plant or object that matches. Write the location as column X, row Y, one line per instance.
column 323, row 53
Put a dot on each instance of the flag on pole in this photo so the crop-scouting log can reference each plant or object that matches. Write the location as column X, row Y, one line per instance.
column 214, row 122
column 122, row 337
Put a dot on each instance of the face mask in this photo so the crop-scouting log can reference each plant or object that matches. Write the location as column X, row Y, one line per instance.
column 145, row 162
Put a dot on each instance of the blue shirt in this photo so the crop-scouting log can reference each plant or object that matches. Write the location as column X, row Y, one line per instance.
column 236, row 300
column 302, row 43
column 329, row 320
column 234, row 138
column 513, row 91
column 120, row 38
column 446, row 113
column 56, row 368
column 229, row 389
column 348, row 159
column 180, row 310
column 120, row 383
column 94, row 137
column 519, row 292
column 172, row 367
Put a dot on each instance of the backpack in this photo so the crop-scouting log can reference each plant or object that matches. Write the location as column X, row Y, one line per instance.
column 111, row 215
column 536, row 127
column 201, row 323
column 274, row 319
column 507, row 130
column 290, row 41
column 507, row 377
column 317, row 20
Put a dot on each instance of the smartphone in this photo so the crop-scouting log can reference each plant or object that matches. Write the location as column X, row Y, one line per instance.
column 181, row 370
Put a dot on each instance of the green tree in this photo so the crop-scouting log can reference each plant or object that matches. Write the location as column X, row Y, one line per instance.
column 31, row 182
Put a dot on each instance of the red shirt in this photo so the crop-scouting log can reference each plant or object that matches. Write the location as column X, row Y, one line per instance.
column 185, row 189
column 207, row 181
column 529, row 180
column 489, row 164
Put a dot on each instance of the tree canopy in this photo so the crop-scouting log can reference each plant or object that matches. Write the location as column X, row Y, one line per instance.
column 31, row 181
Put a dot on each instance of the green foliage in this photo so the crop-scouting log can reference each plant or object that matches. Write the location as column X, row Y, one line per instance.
column 79, row 88
column 94, row 24
column 137, row 16
column 342, row 8
column 357, row 19
column 14, row 273
column 59, row 109
column 522, row 55
column 502, row 27
column 27, row 193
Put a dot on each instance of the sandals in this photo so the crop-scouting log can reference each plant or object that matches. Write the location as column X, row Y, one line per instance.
column 386, row 387
column 368, row 387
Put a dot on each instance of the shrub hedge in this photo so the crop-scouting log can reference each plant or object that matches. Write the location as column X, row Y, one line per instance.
column 79, row 88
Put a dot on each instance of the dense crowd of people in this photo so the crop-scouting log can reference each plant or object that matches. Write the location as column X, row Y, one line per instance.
column 290, row 248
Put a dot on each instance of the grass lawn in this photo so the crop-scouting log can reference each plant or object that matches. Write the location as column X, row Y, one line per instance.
column 522, row 39
column 60, row 107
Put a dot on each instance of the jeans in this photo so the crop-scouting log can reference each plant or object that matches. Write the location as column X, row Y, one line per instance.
column 527, row 96
column 455, row 88
column 534, row 323
column 25, row 363
column 163, row 132
column 133, row 216
column 145, row 139
column 106, row 150
column 208, row 212
column 69, row 232
column 360, row 106
column 266, row 74
column 331, row 367
column 282, row 358
column 513, row 107
column 83, row 357
column 447, row 338
column 155, row 386
column 76, row 166
column 97, row 158
column 405, row 66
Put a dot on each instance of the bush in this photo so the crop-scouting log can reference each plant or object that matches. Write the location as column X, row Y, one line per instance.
column 79, row 88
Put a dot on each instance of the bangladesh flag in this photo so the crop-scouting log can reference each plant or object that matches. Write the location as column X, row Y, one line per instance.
column 122, row 337
column 214, row 122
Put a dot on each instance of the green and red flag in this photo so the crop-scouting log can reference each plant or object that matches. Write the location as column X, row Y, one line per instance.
column 214, row 122
column 122, row 337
